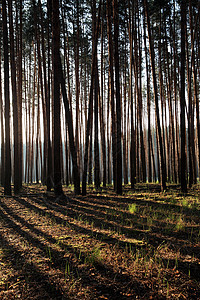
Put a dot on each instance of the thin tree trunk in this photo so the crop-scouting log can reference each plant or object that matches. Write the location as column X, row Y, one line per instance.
column 132, row 137
column 70, row 130
column 15, row 106
column 160, row 143
column 49, row 159
column 90, row 106
column 2, row 129
column 118, row 98
column 183, row 61
column 19, row 89
column 110, row 53
column 190, row 117
column 172, row 135
column 37, row 135
column 125, row 122
column 33, row 117
column 176, row 96
column 148, row 107
column 102, row 107
column 46, row 104
column 108, row 136
column 56, row 101
column 7, row 180
column 143, row 158
column 77, row 82
column 194, row 70
column 96, row 114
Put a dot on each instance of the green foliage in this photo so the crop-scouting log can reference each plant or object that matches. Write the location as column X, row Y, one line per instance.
column 180, row 225
column 94, row 256
column 132, row 208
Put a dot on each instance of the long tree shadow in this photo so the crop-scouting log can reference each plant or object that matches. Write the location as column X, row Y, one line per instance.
column 184, row 266
column 140, row 231
column 30, row 273
column 153, row 202
column 57, row 259
column 62, row 221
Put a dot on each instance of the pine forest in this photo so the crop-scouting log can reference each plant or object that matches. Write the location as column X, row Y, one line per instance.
column 99, row 149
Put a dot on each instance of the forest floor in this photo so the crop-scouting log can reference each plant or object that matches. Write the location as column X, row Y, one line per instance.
column 142, row 245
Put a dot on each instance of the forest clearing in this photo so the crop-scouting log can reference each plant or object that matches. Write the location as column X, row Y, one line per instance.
column 143, row 244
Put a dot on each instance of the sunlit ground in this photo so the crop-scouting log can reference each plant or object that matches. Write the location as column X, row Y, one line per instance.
column 142, row 245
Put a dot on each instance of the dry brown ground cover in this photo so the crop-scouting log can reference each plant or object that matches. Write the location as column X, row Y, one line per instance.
column 141, row 245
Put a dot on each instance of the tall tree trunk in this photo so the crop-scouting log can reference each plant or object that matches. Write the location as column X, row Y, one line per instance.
column 19, row 89
column 194, row 71
column 192, row 164
column 132, row 137
column 118, row 98
column 160, row 143
column 110, row 53
column 183, row 61
column 90, row 105
column 102, row 106
column 96, row 114
column 176, row 95
column 48, row 103
column 2, row 129
column 171, row 116
column 143, row 158
column 56, row 100
column 77, row 83
column 43, row 84
column 108, row 135
column 15, row 105
column 148, row 107
column 37, row 135
column 33, row 117
column 7, row 180
column 70, row 129
column 125, row 163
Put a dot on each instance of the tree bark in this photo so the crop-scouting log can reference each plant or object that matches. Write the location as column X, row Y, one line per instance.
column 7, row 180
column 183, row 61
column 15, row 104
column 118, row 98
column 110, row 54
column 2, row 130
column 56, row 101
column 90, row 105
column 160, row 143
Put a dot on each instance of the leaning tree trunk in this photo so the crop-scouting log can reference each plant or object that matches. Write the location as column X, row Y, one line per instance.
column 68, row 115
